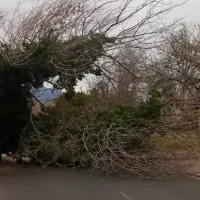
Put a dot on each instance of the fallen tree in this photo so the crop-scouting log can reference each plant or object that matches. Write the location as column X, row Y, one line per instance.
column 109, row 141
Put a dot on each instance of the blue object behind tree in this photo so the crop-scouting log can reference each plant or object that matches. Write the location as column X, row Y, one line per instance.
column 45, row 94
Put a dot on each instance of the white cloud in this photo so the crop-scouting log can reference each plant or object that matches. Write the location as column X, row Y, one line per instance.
column 53, row 80
column 47, row 85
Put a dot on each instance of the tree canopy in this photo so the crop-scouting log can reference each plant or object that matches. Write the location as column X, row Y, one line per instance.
column 33, row 65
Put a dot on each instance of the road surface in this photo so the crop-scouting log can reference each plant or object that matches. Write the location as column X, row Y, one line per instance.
column 25, row 183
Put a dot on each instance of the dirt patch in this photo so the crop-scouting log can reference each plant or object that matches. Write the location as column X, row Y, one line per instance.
column 192, row 167
column 187, row 162
column 5, row 168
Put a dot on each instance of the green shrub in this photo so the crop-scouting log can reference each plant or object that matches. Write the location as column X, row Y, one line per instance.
column 143, row 114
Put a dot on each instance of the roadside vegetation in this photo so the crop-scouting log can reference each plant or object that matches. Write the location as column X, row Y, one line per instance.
column 139, row 116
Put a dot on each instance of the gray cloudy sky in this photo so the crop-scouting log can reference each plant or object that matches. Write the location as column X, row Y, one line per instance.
column 190, row 10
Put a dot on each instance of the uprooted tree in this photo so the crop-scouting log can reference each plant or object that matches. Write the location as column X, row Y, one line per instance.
column 70, row 39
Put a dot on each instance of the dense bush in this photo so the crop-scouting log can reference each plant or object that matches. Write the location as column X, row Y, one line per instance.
column 142, row 114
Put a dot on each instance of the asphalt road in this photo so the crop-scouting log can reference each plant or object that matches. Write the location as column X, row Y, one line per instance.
column 23, row 183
